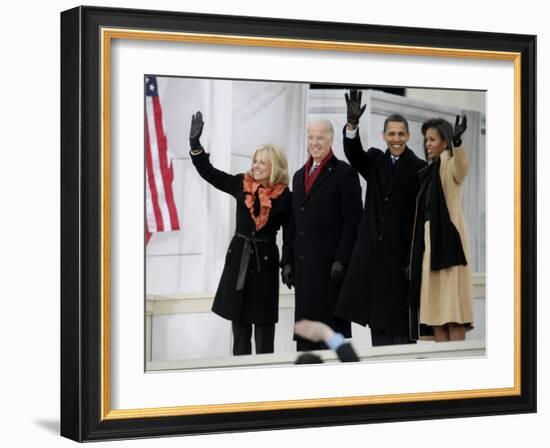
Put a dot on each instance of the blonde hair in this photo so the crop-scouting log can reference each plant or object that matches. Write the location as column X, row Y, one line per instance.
column 277, row 158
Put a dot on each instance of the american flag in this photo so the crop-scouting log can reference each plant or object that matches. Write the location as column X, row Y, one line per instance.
column 160, row 207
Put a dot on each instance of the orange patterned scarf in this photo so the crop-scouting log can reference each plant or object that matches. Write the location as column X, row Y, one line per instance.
column 265, row 196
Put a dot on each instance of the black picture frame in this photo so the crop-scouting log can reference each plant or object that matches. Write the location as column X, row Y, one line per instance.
column 84, row 402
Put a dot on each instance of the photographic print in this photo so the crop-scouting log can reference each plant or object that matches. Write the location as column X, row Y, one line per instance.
column 189, row 259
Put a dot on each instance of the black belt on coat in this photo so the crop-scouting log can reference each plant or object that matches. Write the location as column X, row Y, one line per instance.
column 250, row 244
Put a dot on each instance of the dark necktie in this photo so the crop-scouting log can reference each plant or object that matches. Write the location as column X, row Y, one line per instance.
column 313, row 168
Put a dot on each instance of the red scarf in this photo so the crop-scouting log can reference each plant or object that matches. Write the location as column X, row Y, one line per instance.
column 265, row 195
column 310, row 180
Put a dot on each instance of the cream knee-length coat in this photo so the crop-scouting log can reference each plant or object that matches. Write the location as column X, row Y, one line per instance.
column 447, row 295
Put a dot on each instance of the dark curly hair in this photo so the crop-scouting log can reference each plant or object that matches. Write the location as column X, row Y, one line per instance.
column 443, row 128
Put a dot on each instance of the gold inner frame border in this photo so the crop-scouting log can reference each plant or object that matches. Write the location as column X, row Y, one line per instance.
column 109, row 34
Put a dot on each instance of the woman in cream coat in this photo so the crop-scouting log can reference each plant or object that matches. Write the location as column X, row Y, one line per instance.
column 440, row 292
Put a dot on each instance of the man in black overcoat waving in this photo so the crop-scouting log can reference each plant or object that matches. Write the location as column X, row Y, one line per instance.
column 374, row 292
column 326, row 210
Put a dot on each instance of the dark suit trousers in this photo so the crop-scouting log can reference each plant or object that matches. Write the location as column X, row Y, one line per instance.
column 264, row 337
column 381, row 338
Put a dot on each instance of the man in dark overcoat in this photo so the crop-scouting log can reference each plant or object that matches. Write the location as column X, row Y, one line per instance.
column 326, row 210
column 374, row 292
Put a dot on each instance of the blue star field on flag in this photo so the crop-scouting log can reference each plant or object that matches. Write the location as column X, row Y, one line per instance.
column 151, row 88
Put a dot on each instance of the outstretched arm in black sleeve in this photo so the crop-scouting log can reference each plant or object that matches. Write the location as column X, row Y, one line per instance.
column 227, row 183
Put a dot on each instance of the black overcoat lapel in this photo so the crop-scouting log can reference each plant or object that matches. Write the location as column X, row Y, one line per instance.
column 404, row 170
column 383, row 168
column 299, row 192
column 328, row 170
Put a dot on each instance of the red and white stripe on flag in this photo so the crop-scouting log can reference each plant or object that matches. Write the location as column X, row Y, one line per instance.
column 161, row 214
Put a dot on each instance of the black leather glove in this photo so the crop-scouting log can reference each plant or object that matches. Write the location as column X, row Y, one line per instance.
column 287, row 275
column 196, row 131
column 353, row 104
column 459, row 129
column 337, row 272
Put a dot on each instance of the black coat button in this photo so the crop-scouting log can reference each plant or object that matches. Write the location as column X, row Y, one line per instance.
column 300, row 257
column 386, row 199
column 301, row 232
column 380, row 238
column 302, row 208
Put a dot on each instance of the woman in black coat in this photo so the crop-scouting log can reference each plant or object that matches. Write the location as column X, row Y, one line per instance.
column 248, row 292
